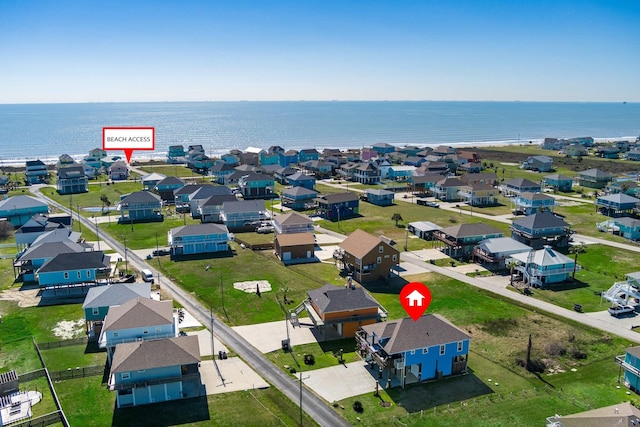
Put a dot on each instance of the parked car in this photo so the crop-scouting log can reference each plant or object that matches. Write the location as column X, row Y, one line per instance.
column 161, row 252
column 265, row 229
column 618, row 310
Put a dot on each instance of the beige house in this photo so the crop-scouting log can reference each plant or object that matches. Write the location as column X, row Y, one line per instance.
column 366, row 257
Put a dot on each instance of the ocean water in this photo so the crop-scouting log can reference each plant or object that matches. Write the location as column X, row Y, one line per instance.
column 45, row 131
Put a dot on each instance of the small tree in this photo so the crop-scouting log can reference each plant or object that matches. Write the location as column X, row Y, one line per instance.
column 511, row 265
column 6, row 230
column 576, row 250
column 396, row 217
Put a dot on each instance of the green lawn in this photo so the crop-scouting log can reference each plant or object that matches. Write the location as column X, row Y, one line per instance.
column 87, row 402
column 61, row 358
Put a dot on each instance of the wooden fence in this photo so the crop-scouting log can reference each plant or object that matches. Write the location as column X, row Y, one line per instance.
column 42, row 421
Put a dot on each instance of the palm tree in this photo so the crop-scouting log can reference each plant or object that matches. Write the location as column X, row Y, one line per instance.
column 511, row 265
column 576, row 250
column 396, row 217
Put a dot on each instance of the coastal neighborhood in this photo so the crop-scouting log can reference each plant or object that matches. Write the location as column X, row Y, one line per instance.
column 193, row 277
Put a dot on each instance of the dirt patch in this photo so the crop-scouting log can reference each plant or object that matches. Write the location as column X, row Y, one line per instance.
column 253, row 286
column 67, row 329
column 24, row 298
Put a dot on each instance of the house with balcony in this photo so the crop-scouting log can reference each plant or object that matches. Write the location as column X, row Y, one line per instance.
column 100, row 298
column 633, row 155
column 109, row 161
column 140, row 206
column 202, row 194
column 300, row 179
column 479, row 194
column 288, row 158
column 400, row 173
column 269, row 157
column 198, row 239
column 379, row 197
column 256, row 186
column 558, row 182
column 292, row 222
column 414, row 351
column 615, row 205
column 166, row 188
column 528, row 203
column 620, row 414
column 243, row 214
column 319, row 168
column 298, row 198
column 337, row 206
column 629, row 228
column 553, row 144
column 176, row 154
column 118, row 171
column 544, row 267
column 139, row 319
column 495, row 252
column 517, row 186
column 341, row 310
column 367, row 258
column 594, row 178
column 37, row 226
column 422, row 184
column 488, row 178
column 211, row 209
column 308, row 154
column 74, row 268
column 470, row 167
column 541, row 229
column 366, row 173
column 35, row 256
column 36, row 172
column 156, row 371
column 150, row 181
column 629, row 362
column 448, row 189
column 459, row 240
column 295, row 248
column 72, row 180
column 607, row 152
column 423, row 229
column 576, row 150
column 20, row 209
column 382, row 148
column 221, row 170
column 538, row 163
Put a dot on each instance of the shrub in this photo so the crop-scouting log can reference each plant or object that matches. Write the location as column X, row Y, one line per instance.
column 556, row 348
column 357, row 406
column 309, row 359
column 578, row 354
column 536, row 365
column 292, row 370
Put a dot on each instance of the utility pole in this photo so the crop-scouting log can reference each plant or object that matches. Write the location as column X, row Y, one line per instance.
column 79, row 220
column 126, row 264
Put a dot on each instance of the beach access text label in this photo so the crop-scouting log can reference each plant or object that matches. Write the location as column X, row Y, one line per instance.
column 128, row 139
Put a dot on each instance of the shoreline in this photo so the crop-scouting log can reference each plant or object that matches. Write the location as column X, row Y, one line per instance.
column 162, row 155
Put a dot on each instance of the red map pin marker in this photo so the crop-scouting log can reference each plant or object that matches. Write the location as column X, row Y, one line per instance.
column 415, row 297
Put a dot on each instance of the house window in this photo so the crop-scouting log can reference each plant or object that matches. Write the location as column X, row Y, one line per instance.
column 379, row 260
column 441, row 350
column 88, row 274
column 158, row 329
column 394, row 257
column 125, row 375
column 95, row 311
column 459, row 345
column 79, row 275
column 413, row 352
column 115, row 334
column 425, row 350
column 140, row 370
column 66, row 275
column 380, row 249
column 146, row 331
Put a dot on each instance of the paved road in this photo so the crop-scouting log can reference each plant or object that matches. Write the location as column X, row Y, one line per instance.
column 315, row 407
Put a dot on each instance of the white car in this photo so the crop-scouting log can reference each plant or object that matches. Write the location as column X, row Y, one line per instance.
column 618, row 310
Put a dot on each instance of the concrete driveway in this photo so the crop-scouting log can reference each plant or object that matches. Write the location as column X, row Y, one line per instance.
column 340, row 382
column 267, row 337
column 237, row 376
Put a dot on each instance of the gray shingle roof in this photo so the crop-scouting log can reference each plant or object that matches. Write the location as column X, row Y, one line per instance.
column 541, row 220
column 20, row 202
column 199, row 230
column 299, row 191
column 521, row 182
column 595, row 173
column 138, row 313
column 331, row 299
column 141, row 197
column 620, row 198
column 207, row 191
column 171, row 180
column 50, row 249
column 71, row 172
column 113, row 295
column 219, row 200
column 339, row 197
column 470, row 230
column 299, row 176
column 406, row 334
column 75, row 261
column 292, row 218
column 137, row 356
column 241, row 206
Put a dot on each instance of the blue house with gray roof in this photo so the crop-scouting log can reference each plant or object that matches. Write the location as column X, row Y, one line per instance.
column 140, row 206
column 19, row 209
column 298, row 198
column 100, row 298
column 74, row 268
column 619, row 204
column 559, row 182
column 156, row 371
column 413, row 351
column 541, row 229
column 72, row 180
column 243, row 214
column 198, row 239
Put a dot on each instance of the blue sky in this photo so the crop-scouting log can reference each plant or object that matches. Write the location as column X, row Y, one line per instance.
column 104, row 51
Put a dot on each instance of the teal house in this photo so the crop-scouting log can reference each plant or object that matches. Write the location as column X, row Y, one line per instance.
column 619, row 204
column 256, row 186
column 289, row 157
column 559, row 182
column 166, row 187
column 380, row 197
column 300, row 179
column 529, row 203
column 198, row 239
column 100, row 298
column 36, row 255
column 74, row 268
column 139, row 319
column 19, row 209
column 411, row 351
column 156, row 371
column 140, row 206
column 544, row 267
column 308, row 154
column 630, row 363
